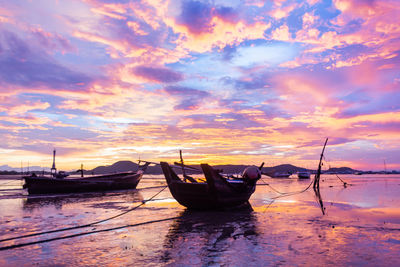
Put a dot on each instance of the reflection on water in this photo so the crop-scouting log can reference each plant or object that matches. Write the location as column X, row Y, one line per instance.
column 207, row 237
column 361, row 226
column 319, row 199
column 40, row 201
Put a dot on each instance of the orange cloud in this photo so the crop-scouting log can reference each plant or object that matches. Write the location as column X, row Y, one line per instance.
column 281, row 33
column 150, row 11
column 222, row 34
column 26, row 107
column 282, row 12
column 103, row 11
column 136, row 28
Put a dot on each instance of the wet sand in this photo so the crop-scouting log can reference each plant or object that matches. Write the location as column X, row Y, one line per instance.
column 361, row 226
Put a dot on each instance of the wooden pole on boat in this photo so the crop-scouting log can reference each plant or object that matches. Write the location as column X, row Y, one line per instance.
column 261, row 166
column 81, row 170
column 317, row 176
column 183, row 166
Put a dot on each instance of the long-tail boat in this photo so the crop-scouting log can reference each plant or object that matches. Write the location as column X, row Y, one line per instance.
column 216, row 191
column 60, row 184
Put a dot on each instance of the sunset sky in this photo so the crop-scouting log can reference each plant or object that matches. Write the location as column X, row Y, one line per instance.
column 225, row 81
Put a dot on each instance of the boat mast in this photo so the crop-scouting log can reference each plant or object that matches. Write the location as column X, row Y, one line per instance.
column 183, row 166
column 53, row 167
column 384, row 164
column 81, row 170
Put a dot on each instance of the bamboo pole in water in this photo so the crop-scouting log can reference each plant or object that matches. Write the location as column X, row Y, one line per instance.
column 317, row 176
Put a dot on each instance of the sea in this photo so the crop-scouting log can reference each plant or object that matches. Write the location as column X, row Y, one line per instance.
column 354, row 220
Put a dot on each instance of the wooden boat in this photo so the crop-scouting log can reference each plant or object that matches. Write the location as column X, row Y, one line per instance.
column 52, row 184
column 216, row 191
column 304, row 175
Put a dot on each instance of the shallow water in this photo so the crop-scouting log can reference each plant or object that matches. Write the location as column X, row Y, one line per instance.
column 361, row 226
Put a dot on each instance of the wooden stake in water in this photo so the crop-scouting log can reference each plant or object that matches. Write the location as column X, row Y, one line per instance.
column 317, row 176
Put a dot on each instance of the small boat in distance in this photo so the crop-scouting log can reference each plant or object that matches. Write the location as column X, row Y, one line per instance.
column 304, row 175
column 280, row 175
column 216, row 191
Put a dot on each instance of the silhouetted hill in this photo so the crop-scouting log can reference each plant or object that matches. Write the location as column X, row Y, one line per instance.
column 123, row 166
column 341, row 170
column 120, row 166
column 285, row 168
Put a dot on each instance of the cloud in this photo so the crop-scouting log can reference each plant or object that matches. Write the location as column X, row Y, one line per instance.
column 227, row 14
column 52, row 41
column 240, row 81
column 24, row 65
column 157, row 74
column 185, row 91
column 267, row 54
column 196, row 16
column 190, row 98
column 216, row 27
column 280, row 11
column 378, row 104
column 15, row 108
column 367, row 24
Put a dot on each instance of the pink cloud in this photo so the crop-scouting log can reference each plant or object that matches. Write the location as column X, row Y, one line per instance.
column 115, row 11
column 369, row 24
column 136, row 28
column 52, row 41
column 221, row 35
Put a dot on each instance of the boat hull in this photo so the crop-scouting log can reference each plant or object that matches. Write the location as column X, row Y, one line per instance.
column 216, row 193
column 42, row 185
column 281, row 176
column 305, row 175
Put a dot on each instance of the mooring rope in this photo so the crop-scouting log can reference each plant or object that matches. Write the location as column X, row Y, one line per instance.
column 288, row 193
column 328, row 162
column 84, row 225
column 86, row 233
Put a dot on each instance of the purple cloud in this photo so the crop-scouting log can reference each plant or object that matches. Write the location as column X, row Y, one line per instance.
column 25, row 65
column 196, row 16
column 158, row 74
column 52, row 41
column 387, row 102
column 191, row 98
column 185, row 91
column 319, row 142
column 227, row 14
column 378, row 126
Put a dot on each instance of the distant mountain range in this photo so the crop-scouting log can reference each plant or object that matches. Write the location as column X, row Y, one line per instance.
column 124, row 166
column 31, row 168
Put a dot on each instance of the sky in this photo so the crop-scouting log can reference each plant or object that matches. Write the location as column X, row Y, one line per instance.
column 226, row 82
